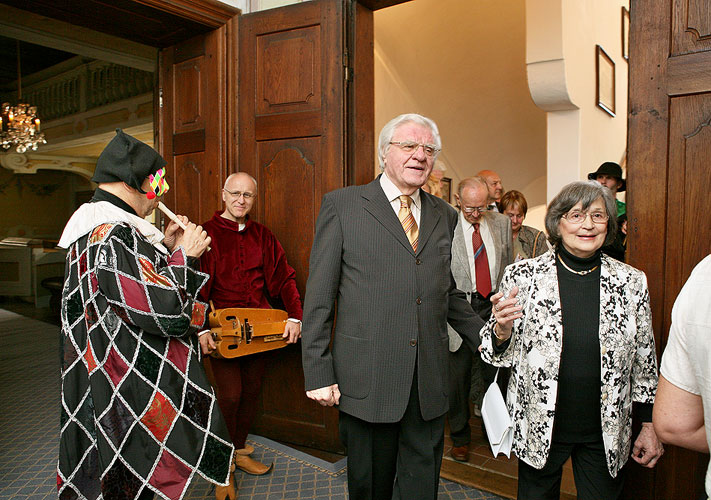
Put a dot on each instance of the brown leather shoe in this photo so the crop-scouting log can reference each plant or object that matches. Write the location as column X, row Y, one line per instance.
column 247, row 450
column 228, row 492
column 461, row 453
column 251, row 466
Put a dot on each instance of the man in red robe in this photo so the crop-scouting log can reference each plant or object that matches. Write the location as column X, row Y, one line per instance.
column 247, row 266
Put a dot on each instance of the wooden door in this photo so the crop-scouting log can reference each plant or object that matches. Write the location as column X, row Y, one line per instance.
column 297, row 116
column 192, row 123
column 668, row 181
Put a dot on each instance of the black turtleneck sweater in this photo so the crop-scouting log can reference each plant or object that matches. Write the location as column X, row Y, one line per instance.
column 577, row 417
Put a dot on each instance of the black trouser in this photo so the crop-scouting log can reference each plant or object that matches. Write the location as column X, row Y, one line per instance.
column 592, row 479
column 460, row 368
column 399, row 460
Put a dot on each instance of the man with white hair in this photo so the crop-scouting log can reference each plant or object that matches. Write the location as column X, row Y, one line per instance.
column 481, row 249
column 380, row 268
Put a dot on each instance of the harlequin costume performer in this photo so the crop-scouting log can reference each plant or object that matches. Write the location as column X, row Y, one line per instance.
column 138, row 416
column 247, row 266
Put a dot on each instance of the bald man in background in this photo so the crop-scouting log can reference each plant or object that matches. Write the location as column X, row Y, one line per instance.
column 248, row 268
column 496, row 189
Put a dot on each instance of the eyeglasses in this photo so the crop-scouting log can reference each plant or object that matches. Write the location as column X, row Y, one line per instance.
column 471, row 210
column 236, row 194
column 411, row 146
column 579, row 217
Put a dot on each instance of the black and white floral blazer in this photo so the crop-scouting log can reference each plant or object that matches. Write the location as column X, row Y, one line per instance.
column 628, row 359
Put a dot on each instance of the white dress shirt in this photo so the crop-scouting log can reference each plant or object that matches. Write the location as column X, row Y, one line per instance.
column 486, row 237
column 392, row 193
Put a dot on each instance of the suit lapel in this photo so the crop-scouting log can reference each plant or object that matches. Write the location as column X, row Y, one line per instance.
column 459, row 250
column 429, row 217
column 498, row 239
column 377, row 204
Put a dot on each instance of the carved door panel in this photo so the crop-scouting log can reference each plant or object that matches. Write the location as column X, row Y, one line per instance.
column 297, row 115
column 192, row 123
column 668, row 179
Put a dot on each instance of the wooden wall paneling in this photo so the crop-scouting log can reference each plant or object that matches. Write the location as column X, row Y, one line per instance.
column 668, row 144
column 647, row 133
column 361, row 142
column 290, row 167
column 689, row 178
column 691, row 29
column 157, row 23
column 193, row 123
column 291, row 139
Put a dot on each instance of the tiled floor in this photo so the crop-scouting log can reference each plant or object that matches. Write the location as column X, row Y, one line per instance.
column 29, row 431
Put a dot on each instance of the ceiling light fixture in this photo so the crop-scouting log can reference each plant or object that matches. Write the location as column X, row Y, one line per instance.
column 19, row 125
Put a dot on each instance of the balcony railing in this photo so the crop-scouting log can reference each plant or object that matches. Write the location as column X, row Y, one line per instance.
column 85, row 87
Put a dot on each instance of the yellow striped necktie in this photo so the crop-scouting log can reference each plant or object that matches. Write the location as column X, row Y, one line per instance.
column 408, row 221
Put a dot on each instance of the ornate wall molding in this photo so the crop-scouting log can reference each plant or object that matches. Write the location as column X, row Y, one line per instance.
column 30, row 163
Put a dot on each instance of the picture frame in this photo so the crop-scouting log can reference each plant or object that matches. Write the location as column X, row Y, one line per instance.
column 625, row 33
column 446, row 186
column 605, row 81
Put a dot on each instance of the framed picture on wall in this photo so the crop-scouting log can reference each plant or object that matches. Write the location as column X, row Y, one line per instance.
column 625, row 33
column 605, row 85
column 446, row 185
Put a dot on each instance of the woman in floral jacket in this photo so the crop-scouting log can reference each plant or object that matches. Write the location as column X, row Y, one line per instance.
column 575, row 326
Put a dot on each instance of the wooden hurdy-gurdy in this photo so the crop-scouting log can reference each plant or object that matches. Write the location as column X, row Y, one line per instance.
column 240, row 331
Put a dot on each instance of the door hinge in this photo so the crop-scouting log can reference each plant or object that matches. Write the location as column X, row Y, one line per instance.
column 346, row 67
column 160, row 97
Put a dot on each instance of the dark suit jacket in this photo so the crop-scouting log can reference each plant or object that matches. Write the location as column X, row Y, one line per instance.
column 391, row 305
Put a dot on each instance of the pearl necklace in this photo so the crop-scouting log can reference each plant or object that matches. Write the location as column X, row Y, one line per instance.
column 579, row 273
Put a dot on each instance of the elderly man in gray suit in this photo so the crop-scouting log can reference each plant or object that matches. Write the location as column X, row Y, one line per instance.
column 481, row 249
column 380, row 267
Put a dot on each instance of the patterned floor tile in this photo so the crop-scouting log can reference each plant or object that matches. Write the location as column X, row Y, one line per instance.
column 29, row 433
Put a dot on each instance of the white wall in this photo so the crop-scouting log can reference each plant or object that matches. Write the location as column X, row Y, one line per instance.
column 561, row 58
column 462, row 63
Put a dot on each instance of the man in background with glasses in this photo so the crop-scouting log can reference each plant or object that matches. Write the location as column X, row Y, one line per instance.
column 247, row 267
column 481, row 249
column 380, row 269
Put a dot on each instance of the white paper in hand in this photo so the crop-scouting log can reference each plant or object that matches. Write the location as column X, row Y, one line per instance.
column 497, row 421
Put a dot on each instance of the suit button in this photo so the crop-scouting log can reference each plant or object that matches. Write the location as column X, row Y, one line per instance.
column 418, row 262
column 419, row 301
column 413, row 342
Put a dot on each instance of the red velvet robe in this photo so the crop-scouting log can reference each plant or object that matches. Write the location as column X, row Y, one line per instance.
column 244, row 266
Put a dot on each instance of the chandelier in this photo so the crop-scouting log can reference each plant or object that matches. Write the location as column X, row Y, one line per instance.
column 19, row 125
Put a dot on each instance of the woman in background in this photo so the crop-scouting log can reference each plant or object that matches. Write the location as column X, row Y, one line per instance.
column 527, row 241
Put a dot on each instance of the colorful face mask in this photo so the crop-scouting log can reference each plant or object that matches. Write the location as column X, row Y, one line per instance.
column 158, row 184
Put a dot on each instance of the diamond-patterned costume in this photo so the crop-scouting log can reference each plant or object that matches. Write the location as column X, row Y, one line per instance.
column 137, row 410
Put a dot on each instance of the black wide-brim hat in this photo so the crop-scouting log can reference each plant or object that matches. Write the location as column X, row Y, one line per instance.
column 610, row 168
column 126, row 159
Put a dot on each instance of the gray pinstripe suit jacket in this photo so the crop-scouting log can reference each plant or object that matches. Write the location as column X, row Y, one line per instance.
column 391, row 305
column 500, row 228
